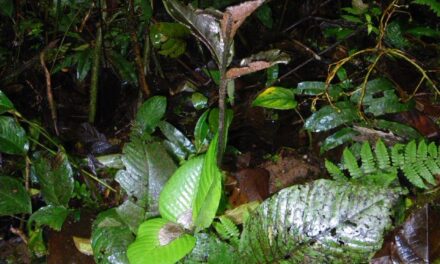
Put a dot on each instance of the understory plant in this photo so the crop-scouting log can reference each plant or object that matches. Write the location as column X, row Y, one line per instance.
column 357, row 111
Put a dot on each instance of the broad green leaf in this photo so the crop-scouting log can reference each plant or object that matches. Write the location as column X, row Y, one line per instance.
column 320, row 222
column 399, row 129
column 276, row 98
column 177, row 197
column 150, row 113
column 36, row 242
column 110, row 238
column 264, row 14
column 5, row 103
column 213, row 119
column 52, row 216
column 210, row 249
column 199, row 101
column 147, row 10
column 177, row 137
column 340, row 137
column 13, row 139
column 159, row 241
column 258, row 62
column 209, row 189
column 316, row 88
column 7, row 7
column 201, row 132
column 329, row 117
column 205, row 25
column 55, row 176
column 84, row 63
column 131, row 214
column 147, row 169
column 125, row 68
column 13, row 197
column 380, row 98
column 169, row 38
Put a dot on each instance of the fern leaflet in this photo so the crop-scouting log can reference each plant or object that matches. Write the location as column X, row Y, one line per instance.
column 383, row 158
column 334, row 171
column 434, row 5
column 227, row 230
column 351, row 164
column 367, row 158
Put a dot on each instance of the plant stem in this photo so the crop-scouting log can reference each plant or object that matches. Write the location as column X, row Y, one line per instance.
column 137, row 51
column 51, row 101
column 95, row 76
column 96, row 66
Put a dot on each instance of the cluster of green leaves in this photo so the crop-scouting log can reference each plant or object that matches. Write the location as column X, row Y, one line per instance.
column 53, row 173
column 377, row 98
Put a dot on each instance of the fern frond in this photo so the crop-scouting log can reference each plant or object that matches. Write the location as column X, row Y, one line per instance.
column 335, row 171
column 227, row 230
column 382, row 156
column 350, row 163
column 367, row 158
column 434, row 5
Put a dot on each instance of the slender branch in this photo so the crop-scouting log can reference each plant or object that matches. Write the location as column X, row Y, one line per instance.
column 51, row 101
column 137, row 51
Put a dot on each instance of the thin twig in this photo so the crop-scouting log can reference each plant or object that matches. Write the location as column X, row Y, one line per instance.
column 137, row 51
column 51, row 101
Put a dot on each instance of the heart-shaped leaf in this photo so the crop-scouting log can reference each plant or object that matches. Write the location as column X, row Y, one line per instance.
column 55, row 176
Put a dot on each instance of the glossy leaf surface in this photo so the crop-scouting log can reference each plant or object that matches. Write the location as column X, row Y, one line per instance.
column 276, row 98
column 159, row 241
column 329, row 117
column 13, row 139
column 13, row 197
column 5, row 103
column 55, row 176
column 110, row 238
column 177, row 197
column 52, row 216
column 150, row 113
column 209, row 189
column 320, row 222
column 147, row 169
